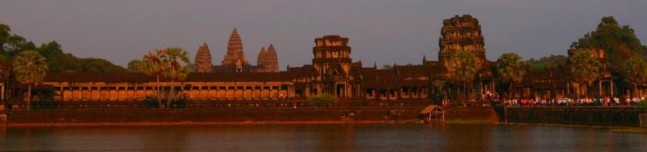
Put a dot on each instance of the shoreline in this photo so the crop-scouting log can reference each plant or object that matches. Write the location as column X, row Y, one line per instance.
column 188, row 123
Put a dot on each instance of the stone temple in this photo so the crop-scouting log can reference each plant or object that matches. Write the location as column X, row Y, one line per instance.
column 331, row 71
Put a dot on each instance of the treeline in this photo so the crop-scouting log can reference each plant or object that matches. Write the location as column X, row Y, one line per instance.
column 57, row 60
column 610, row 48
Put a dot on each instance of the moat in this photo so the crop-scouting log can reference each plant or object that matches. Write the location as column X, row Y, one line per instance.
column 321, row 137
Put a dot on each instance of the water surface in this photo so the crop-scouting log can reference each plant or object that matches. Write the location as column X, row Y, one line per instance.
column 321, row 137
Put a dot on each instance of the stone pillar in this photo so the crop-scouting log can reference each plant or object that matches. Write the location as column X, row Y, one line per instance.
column 242, row 94
column 60, row 98
column 612, row 89
column 217, row 93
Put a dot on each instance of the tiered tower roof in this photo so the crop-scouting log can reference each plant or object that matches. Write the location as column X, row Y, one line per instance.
column 272, row 64
column 261, row 57
column 203, row 59
column 268, row 60
column 461, row 33
column 234, row 50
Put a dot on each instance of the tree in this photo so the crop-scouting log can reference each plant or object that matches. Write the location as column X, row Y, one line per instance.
column 635, row 70
column 50, row 51
column 585, row 67
column 619, row 43
column 154, row 66
column 177, row 70
column 463, row 67
column 5, row 73
column 97, row 65
column 554, row 61
column 4, row 35
column 30, row 68
column 510, row 69
column 17, row 43
column 136, row 66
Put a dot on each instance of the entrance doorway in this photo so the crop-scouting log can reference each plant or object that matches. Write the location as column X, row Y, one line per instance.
column 340, row 90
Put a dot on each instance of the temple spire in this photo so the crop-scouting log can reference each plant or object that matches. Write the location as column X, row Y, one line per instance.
column 234, row 50
column 203, row 59
column 261, row 57
column 272, row 64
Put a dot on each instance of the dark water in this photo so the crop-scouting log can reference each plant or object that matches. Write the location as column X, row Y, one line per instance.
column 328, row 137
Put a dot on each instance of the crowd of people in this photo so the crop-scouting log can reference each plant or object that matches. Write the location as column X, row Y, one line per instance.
column 585, row 101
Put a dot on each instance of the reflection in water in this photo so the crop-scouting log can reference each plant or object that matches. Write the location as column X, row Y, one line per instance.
column 466, row 137
column 321, row 137
column 335, row 138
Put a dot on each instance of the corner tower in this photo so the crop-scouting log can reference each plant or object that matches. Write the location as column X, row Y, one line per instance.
column 272, row 64
column 203, row 59
column 262, row 57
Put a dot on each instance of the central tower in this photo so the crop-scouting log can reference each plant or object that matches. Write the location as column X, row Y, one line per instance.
column 235, row 56
column 332, row 61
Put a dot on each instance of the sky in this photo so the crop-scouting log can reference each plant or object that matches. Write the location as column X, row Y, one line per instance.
column 380, row 31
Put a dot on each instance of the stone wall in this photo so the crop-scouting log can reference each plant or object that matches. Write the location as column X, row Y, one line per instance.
column 596, row 116
column 471, row 113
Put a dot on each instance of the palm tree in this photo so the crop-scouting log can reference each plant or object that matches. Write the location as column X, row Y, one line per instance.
column 177, row 70
column 585, row 67
column 463, row 67
column 635, row 70
column 153, row 65
column 510, row 69
column 30, row 68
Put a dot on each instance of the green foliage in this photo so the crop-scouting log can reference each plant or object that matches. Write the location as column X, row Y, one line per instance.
column 5, row 68
column 171, row 63
column 322, row 99
column 4, row 35
column 635, row 69
column 176, row 60
column 510, row 68
column 463, row 67
column 584, row 66
column 136, row 66
column 30, row 67
column 642, row 104
column 619, row 43
column 535, row 65
column 547, row 63
column 50, row 51
column 12, row 44
column 153, row 64
column 554, row 61
column 57, row 60
column 97, row 65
